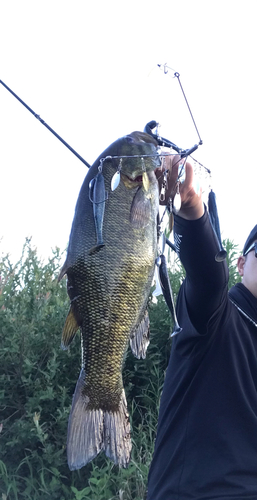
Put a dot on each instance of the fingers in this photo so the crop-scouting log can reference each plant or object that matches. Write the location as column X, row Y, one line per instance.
column 171, row 165
column 191, row 200
column 189, row 175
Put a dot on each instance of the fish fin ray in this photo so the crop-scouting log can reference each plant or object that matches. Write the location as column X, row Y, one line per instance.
column 69, row 330
column 64, row 269
column 117, row 442
column 85, row 430
column 91, row 431
column 140, row 212
column 62, row 273
column 140, row 337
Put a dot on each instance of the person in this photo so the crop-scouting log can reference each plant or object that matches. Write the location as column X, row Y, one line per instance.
column 206, row 443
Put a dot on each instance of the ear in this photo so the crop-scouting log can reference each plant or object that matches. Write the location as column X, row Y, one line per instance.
column 240, row 265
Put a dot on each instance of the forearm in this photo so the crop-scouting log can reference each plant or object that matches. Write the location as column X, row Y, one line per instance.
column 206, row 280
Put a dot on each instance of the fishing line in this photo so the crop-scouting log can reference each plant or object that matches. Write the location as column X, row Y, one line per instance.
column 160, row 155
column 46, row 125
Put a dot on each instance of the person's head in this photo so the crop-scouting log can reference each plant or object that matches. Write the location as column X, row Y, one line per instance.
column 247, row 263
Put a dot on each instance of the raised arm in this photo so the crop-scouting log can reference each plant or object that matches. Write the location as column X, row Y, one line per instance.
column 205, row 286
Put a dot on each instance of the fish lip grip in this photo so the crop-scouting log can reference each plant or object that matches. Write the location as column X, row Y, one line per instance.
column 168, row 144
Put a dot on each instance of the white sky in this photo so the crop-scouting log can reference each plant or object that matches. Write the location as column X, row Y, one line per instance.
column 89, row 69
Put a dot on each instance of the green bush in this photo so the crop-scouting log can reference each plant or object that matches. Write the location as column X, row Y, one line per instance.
column 37, row 380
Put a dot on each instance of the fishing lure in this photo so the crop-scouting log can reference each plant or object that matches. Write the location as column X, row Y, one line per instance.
column 116, row 178
column 98, row 197
column 164, row 286
column 214, row 218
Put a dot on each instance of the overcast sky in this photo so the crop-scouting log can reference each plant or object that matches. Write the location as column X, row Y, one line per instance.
column 89, row 69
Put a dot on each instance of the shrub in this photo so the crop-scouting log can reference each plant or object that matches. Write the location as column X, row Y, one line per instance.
column 37, row 380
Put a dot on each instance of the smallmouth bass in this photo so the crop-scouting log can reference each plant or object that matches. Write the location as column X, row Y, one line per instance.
column 109, row 267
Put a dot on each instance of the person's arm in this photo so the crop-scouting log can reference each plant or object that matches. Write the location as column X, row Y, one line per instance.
column 205, row 286
column 206, row 280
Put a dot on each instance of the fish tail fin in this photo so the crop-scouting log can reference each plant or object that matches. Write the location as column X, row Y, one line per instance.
column 90, row 431
column 117, row 442
column 85, row 429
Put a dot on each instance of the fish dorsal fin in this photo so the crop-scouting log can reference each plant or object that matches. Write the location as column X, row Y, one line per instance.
column 62, row 273
column 63, row 270
column 69, row 330
column 139, row 339
column 140, row 213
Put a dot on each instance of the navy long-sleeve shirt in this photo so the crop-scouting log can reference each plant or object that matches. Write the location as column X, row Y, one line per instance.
column 206, row 444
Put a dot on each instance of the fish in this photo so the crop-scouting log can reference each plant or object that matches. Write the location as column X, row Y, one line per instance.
column 109, row 291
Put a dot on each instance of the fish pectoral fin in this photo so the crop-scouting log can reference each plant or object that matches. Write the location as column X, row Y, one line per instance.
column 140, row 337
column 69, row 330
column 140, row 213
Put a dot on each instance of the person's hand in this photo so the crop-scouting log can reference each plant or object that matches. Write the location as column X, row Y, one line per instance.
column 191, row 202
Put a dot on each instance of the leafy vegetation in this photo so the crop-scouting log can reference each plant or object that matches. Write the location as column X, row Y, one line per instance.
column 37, row 380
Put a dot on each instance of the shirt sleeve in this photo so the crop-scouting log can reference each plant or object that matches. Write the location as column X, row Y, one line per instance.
column 205, row 285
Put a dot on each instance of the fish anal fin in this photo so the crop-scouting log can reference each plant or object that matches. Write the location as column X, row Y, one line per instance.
column 140, row 337
column 69, row 330
column 140, row 213
column 93, row 430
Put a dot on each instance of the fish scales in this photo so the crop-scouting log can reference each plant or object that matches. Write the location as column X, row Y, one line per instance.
column 109, row 290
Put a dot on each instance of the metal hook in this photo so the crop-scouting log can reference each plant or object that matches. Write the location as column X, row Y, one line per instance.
column 100, row 168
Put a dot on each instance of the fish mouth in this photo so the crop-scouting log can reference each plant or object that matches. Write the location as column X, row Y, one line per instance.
column 131, row 182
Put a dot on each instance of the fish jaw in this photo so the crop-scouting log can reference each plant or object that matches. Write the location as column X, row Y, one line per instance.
column 146, row 158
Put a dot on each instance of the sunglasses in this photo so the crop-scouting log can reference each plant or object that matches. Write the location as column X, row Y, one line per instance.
column 251, row 247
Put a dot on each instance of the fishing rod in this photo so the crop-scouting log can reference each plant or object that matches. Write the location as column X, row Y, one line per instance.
column 46, row 125
column 168, row 144
column 148, row 129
